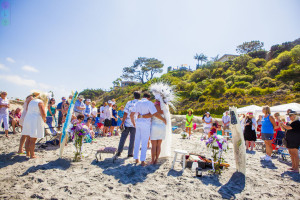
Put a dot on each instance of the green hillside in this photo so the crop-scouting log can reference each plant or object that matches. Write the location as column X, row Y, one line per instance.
column 258, row 77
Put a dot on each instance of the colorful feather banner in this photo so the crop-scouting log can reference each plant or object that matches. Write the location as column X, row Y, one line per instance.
column 67, row 124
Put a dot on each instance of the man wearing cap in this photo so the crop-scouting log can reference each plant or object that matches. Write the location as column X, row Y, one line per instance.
column 226, row 121
column 108, row 115
column 79, row 106
column 143, row 126
column 88, row 109
column 59, row 107
column 129, row 128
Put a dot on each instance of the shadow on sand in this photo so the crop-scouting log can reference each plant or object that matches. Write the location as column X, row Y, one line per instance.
column 268, row 164
column 126, row 174
column 293, row 176
column 235, row 185
column 60, row 163
column 11, row 159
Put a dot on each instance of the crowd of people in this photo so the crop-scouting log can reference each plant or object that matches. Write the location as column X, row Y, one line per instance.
column 135, row 119
column 266, row 127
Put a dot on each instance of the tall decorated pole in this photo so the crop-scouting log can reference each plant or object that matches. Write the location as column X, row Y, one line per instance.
column 239, row 147
column 64, row 135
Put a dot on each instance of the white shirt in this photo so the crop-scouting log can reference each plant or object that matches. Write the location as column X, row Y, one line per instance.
column 128, row 109
column 226, row 119
column 4, row 110
column 107, row 112
column 144, row 107
column 102, row 112
column 207, row 120
column 94, row 112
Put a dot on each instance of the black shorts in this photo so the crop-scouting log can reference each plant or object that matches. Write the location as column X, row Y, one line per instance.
column 107, row 122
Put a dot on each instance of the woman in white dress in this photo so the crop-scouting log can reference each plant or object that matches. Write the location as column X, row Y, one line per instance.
column 33, row 125
column 21, row 122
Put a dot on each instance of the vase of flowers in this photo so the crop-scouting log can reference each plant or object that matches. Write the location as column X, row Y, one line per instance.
column 78, row 132
column 184, row 135
column 216, row 144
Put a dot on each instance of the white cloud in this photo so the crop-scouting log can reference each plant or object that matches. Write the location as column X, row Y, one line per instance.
column 3, row 67
column 29, row 68
column 17, row 80
column 10, row 60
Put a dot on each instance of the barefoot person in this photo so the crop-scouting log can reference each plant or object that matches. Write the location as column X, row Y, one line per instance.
column 33, row 124
column 4, row 114
column 129, row 128
column 143, row 126
column 293, row 139
column 25, row 136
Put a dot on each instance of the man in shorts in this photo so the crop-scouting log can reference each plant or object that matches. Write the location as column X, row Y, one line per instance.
column 108, row 115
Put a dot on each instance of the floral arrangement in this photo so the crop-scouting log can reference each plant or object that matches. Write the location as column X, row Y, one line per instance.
column 217, row 145
column 184, row 135
column 78, row 132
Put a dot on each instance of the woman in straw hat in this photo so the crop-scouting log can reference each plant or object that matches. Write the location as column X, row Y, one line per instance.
column 21, row 121
column 33, row 125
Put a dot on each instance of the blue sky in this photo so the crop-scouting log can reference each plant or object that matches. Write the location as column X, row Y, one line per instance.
column 72, row 44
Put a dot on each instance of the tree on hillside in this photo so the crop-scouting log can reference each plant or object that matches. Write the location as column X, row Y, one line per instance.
column 214, row 59
column 117, row 82
column 200, row 57
column 248, row 47
column 143, row 69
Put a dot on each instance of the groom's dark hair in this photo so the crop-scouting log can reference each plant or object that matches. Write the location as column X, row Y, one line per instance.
column 146, row 95
column 137, row 95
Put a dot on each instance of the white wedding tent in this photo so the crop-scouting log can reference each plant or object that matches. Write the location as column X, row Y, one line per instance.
column 252, row 108
column 284, row 107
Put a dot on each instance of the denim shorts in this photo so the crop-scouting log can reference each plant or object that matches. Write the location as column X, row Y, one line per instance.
column 267, row 136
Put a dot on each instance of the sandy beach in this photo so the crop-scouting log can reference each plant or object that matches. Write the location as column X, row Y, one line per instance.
column 49, row 177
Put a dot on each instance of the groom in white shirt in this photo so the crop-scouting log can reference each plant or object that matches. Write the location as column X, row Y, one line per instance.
column 143, row 126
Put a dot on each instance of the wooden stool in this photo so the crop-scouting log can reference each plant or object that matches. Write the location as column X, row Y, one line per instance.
column 111, row 150
column 183, row 153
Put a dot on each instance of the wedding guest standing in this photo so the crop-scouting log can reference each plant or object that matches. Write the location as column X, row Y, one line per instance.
column 120, row 115
column 114, row 119
column 189, row 122
column 207, row 123
column 267, row 131
column 293, row 139
column 88, row 109
column 59, row 108
column 129, row 128
column 33, row 124
column 25, row 136
column 226, row 122
column 79, row 106
column 249, row 131
column 52, row 109
column 4, row 114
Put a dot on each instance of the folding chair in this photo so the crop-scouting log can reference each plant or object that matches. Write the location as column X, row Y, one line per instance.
column 50, row 131
column 278, row 146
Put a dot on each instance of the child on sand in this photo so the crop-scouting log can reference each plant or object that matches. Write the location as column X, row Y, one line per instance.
column 189, row 121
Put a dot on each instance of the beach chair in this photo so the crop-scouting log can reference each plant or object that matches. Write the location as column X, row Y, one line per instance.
column 278, row 147
column 50, row 131
column 106, row 150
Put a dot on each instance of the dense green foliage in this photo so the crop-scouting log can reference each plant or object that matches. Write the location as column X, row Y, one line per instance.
column 248, row 79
